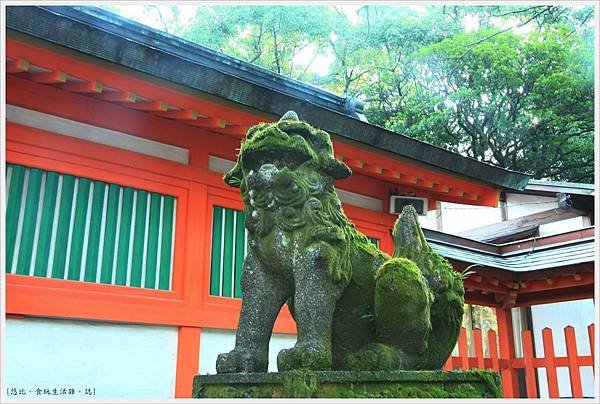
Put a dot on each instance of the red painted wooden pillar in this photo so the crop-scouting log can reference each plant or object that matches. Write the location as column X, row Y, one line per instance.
column 510, row 382
column 188, row 355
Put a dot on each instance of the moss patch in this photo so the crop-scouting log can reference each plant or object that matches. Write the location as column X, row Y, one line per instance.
column 350, row 384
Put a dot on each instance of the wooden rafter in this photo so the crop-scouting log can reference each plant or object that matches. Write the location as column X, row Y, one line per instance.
column 151, row 106
column 234, row 130
column 185, row 114
column 89, row 87
column 17, row 66
column 53, row 77
column 214, row 123
column 117, row 96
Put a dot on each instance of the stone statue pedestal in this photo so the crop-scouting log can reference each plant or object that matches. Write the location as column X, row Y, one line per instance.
column 350, row 384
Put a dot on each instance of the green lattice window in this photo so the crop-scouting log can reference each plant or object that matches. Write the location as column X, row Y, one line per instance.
column 229, row 248
column 67, row 227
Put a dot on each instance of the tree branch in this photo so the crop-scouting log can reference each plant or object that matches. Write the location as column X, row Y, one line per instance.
column 474, row 44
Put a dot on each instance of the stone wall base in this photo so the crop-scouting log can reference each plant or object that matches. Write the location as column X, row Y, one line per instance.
column 350, row 384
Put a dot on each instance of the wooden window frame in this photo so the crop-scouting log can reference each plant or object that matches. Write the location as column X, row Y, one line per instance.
column 40, row 296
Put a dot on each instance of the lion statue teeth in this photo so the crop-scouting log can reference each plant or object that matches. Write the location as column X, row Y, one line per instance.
column 355, row 306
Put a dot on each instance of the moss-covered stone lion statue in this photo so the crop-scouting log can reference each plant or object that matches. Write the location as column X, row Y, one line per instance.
column 355, row 307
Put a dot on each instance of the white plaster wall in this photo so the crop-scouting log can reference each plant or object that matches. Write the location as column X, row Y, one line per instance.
column 574, row 223
column 429, row 221
column 579, row 314
column 216, row 341
column 519, row 205
column 118, row 360
column 458, row 217
column 96, row 134
column 523, row 205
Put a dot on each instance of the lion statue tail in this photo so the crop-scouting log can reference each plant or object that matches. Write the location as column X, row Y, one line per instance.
column 444, row 283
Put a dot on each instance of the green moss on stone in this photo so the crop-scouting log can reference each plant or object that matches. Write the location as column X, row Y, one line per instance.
column 382, row 312
column 375, row 357
column 350, row 384
column 299, row 384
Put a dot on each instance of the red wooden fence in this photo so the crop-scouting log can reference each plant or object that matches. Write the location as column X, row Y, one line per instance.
column 507, row 367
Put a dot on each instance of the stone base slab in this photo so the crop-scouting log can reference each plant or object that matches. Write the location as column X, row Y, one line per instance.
column 350, row 384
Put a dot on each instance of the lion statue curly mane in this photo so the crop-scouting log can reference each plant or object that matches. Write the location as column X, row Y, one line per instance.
column 355, row 306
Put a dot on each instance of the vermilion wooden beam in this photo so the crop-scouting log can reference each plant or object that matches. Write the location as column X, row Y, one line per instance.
column 574, row 375
column 372, row 168
column 549, row 358
column 354, row 163
column 53, row 77
column 52, row 60
column 17, row 66
column 558, row 283
column 511, row 284
column 471, row 196
column 492, row 342
column 463, row 350
column 188, row 351
column 393, row 174
column 185, row 114
column 440, row 188
column 408, row 179
column 528, row 359
column 424, row 183
column 209, row 123
column 477, row 338
column 91, row 87
column 233, row 130
column 509, row 300
column 117, row 96
column 485, row 286
column 506, row 342
column 456, row 192
column 150, row 106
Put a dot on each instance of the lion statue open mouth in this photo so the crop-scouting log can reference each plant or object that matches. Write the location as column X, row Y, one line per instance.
column 355, row 306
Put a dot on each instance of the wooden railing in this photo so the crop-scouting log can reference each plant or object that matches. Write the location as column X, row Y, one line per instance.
column 508, row 367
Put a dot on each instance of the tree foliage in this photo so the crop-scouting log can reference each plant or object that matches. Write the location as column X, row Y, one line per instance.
column 508, row 85
column 269, row 36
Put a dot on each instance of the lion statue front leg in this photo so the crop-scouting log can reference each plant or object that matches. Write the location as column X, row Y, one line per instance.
column 264, row 292
column 314, row 300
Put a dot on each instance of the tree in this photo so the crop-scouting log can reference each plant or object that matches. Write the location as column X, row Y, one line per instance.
column 520, row 102
column 516, row 92
column 269, row 36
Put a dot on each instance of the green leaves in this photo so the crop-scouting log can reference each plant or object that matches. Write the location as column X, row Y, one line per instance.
column 508, row 85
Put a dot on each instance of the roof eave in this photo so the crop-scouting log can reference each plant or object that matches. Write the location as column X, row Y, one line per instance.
column 89, row 34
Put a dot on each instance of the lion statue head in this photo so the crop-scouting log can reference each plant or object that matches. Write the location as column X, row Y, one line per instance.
column 289, row 143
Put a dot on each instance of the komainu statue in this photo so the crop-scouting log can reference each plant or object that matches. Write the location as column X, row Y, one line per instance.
column 355, row 307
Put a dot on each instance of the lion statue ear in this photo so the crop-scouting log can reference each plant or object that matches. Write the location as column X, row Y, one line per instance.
column 234, row 177
column 335, row 169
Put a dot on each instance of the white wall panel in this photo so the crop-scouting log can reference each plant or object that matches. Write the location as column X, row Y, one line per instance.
column 118, row 360
column 95, row 134
column 216, row 341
